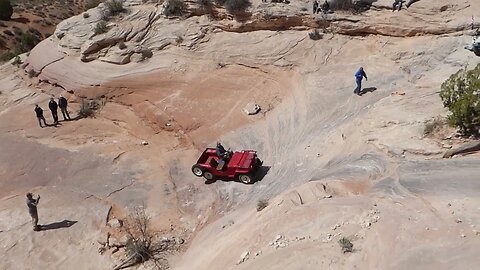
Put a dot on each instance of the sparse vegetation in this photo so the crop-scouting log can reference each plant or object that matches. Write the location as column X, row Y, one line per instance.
column 92, row 3
column 261, row 204
column 433, row 125
column 90, row 108
column 101, row 27
column 174, row 8
column 315, row 35
column 345, row 244
column 27, row 42
column 6, row 10
column 114, row 7
column 461, row 95
column 341, row 5
column 6, row 56
column 204, row 3
column 237, row 6
column 141, row 245
column 31, row 73
column 86, row 15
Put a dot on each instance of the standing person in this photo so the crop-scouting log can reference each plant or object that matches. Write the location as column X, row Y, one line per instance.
column 32, row 210
column 62, row 103
column 315, row 6
column 397, row 3
column 358, row 78
column 40, row 117
column 53, row 108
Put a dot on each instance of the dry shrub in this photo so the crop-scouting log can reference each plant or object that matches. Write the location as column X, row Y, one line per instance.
column 142, row 245
column 315, row 35
column 433, row 126
column 261, row 204
column 174, row 8
column 90, row 108
column 345, row 244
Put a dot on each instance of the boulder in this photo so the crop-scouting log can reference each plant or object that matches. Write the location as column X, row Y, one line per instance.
column 251, row 108
column 115, row 223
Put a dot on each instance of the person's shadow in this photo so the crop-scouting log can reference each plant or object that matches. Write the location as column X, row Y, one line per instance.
column 58, row 225
column 367, row 90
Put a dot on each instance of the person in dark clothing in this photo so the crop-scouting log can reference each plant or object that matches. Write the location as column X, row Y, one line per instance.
column 325, row 7
column 397, row 4
column 53, row 108
column 62, row 103
column 39, row 113
column 358, row 78
column 411, row 2
column 315, row 6
column 32, row 209
column 220, row 150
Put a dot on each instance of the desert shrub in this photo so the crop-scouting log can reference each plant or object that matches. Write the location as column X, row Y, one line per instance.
column 261, row 204
column 114, row 7
column 101, row 27
column 6, row 10
column 341, row 4
column 142, row 245
column 237, row 6
column 461, row 95
column 31, row 73
column 220, row 2
column 315, row 35
column 86, row 15
column 204, row 3
column 6, row 56
column 91, row 4
column 27, row 42
column 345, row 244
column 90, row 108
column 174, row 8
column 433, row 125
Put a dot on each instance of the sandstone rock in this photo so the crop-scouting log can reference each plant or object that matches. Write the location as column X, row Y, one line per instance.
column 251, row 108
column 118, row 242
column 144, row 143
column 115, row 223
column 244, row 257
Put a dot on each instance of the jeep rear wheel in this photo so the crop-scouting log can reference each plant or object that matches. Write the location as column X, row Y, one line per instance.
column 245, row 178
column 197, row 170
column 208, row 175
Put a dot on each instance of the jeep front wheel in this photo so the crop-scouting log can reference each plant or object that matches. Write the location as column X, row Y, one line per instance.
column 197, row 170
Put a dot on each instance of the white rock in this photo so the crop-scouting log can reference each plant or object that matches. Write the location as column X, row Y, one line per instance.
column 251, row 108
column 115, row 223
column 244, row 257
column 144, row 143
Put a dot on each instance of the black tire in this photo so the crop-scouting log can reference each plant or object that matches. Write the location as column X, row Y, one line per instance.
column 197, row 170
column 208, row 175
column 245, row 178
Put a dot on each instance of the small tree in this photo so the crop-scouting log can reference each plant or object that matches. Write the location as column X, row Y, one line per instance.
column 461, row 95
column 6, row 10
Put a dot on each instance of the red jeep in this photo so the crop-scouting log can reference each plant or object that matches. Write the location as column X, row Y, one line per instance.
column 241, row 165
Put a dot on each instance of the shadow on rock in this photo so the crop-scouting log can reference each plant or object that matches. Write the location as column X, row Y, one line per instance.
column 259, row 175
column 58, row 225
column 368, row 90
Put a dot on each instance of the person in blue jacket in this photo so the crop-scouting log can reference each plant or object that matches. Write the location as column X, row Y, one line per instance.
column 358, row 78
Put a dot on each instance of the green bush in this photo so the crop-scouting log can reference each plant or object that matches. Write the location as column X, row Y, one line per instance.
column 6, row 10
column 27, row 42
column 114, row 7
column 101, row 27
column 461, row 95
column 174, row 8
column 345, row 244
column 237, row 6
